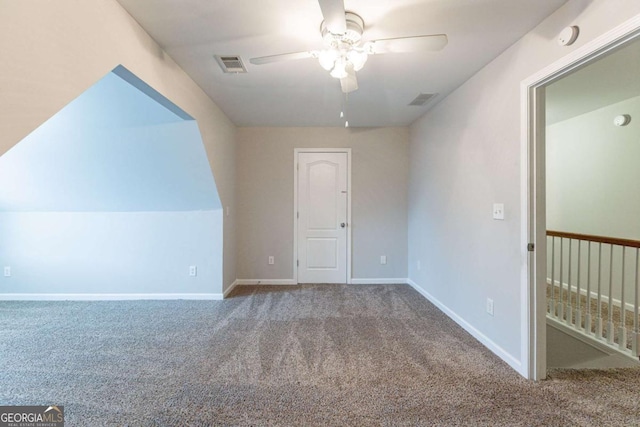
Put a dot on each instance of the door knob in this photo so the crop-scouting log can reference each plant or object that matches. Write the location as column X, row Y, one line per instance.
column 343, row 225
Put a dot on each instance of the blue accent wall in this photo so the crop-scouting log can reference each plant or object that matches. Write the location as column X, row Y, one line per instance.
column 114, row 194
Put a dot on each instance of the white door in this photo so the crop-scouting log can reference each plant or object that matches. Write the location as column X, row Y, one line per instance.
column 322, row 217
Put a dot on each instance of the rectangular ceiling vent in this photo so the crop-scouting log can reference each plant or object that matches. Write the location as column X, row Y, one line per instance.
column 422, row 99
column 231, row 63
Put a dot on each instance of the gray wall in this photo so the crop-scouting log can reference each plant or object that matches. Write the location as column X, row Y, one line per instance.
column 465, row 155
column 265, row 198
column 98, row 36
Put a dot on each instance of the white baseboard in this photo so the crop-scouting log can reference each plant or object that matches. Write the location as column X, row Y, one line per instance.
column 594, row 295
column 293, row 282
column 486, row 341
column 402, row 281
column 107, row 297
column 266, row 282
column 229, row 289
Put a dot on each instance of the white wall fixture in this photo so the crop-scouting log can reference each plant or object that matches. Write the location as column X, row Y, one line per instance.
column 568, row 36
column 622, row 120
column 498, row 211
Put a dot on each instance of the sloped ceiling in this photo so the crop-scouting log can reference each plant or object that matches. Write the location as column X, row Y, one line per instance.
column 114, row 148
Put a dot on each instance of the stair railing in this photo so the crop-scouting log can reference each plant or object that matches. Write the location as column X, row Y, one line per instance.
column 600, row 297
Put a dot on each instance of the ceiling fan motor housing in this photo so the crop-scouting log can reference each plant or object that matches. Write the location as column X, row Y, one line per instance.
column 353, row 35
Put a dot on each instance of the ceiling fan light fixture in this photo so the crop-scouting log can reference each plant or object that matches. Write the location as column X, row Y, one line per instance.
column 327, row 58
column 340, row 69
column 358, row 58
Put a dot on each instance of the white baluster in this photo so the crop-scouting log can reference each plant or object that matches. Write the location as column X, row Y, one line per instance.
column 561, row 286
column 587, row 318
column 578, row 323
column 599, row 308
column 636, row 304
column 610, row 306
column 552, row 307
column 622, row 331
column 569, row 308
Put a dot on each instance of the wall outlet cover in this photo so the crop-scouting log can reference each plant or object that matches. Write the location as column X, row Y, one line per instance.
column 193, row 271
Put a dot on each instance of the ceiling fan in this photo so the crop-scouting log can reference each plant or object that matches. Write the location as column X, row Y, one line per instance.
column 345, row 52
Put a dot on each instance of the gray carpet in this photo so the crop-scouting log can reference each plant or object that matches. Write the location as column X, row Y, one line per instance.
column 328, row 355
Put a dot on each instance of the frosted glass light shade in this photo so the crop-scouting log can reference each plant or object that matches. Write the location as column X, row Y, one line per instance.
column 339, row 70
column 327, row 58
column 358, row 59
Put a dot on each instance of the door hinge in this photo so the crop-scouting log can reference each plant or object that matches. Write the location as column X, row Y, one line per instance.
column 298, row 166
column 298, row 214
column 297, row 263
column 531, row 247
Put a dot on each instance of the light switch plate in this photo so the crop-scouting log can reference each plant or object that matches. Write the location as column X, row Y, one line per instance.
column 271, row 260
column 7, row 272
column 489, row 306
column 498, row 211
column 193, row 271
column 383, row 259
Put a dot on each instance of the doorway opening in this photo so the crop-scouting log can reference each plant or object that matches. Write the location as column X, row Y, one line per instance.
column 535, row 210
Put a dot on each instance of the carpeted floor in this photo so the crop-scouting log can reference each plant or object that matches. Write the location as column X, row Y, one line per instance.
column 326, row 355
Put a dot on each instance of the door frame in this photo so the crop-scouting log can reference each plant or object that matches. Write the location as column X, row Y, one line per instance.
column 533, row 182
column 297, row 151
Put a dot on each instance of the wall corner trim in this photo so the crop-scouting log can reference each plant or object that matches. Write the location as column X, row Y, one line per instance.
column 229, row 289
column 486, row 341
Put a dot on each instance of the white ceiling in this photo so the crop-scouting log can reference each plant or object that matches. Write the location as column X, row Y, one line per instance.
column 608, row 80
column 301, row 93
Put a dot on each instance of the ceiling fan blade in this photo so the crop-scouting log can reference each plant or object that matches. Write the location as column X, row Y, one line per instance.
column 349, row 83
column 279, row 58
column 334, row 15
column 410, row 44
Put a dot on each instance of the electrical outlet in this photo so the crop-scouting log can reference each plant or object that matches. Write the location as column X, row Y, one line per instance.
column 7, row 272
column 383, row 259
column 498, row 211
column 418, row 265
column 271, row 260
column 490, row 306
column 193, row 271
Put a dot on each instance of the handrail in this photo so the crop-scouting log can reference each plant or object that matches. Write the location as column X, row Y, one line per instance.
column 597, row 239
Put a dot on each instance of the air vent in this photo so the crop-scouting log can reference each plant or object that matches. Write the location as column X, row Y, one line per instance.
column 422, row 99
column 231, row 63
